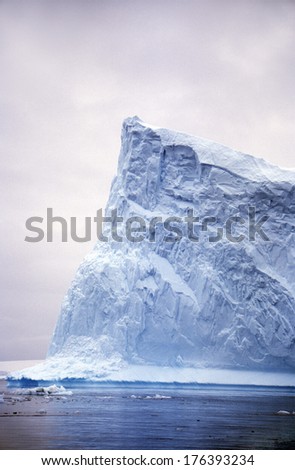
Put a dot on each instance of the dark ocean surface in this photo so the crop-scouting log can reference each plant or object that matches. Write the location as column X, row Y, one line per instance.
column 149, row 418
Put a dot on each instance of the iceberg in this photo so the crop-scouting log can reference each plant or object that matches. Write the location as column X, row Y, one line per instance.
column 193, row 275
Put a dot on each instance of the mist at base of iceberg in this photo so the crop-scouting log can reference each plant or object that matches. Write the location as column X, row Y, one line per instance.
column 147, row 376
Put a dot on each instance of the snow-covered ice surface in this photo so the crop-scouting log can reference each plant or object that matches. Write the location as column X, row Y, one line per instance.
column 184, row 311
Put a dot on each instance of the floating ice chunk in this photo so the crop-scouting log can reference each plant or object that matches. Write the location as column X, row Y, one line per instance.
column 157, row 397
column 45, row 391
column 161, row 397
column 150, row 397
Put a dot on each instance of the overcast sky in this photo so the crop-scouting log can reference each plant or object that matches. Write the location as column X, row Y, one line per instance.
column 71, row 71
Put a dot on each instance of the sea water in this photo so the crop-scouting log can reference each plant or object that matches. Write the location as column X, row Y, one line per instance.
column 215, row 417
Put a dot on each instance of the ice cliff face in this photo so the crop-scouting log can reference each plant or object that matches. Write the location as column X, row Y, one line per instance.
column 172, row 301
